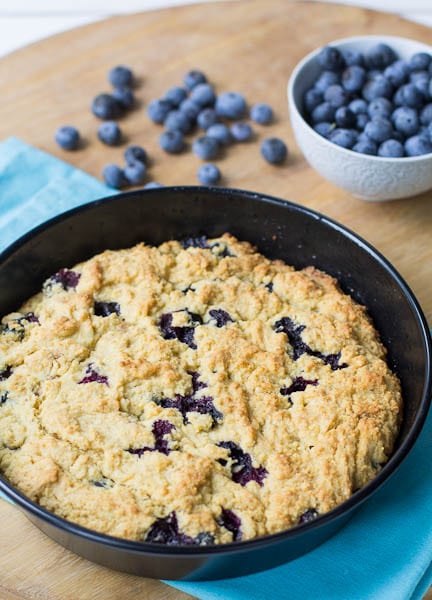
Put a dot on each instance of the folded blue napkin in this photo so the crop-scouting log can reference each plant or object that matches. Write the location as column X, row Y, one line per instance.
column 383, row 553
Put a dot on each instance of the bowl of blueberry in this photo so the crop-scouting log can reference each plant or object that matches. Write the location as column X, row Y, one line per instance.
column 361, row 111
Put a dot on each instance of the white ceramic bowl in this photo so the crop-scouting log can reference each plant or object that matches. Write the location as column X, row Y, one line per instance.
column 367, row 177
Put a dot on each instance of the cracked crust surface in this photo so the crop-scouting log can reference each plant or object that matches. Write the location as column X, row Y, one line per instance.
column 83, row 395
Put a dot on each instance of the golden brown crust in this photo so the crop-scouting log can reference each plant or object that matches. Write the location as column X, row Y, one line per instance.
column 79, row 391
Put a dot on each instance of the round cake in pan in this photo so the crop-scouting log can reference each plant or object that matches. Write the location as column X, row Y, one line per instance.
column 193, row 393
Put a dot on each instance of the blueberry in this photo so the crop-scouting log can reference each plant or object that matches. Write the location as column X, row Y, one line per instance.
column 5, row 373
column 378, row 87
column 206, row 147
column 274, row 150
column 152, row 185
column 344, row 117
column 172, row 142
column 135, row 153
column 406, row 120
column 67, row 137
column 263, row 113
column 242, row 470
column 353, row 58
column 380, row 107
column 241, row 131
column 309, row 515
column 232, row 522
column 135, row 172
column 231, row 105
column 203, row 94
column 220, row 132
column 166, row 531
column 353, row 78
column 66, row 278
column 158, row 110
column 380, row 56
column 391, row 149
column 120, row 76
column 417, row 145
column 420, row 61
column 426, row 115
column 209, row 174
column 195, row 242
column 362, row 120
column 358, row 106
column 220, row 316
column 206, row 118
column 323, row 112
column 109, row 133
column 178, row 121
column 324, row 128
column 326, row 79
column 105, row 107
column 160, row 429
column 312, row 98
column 397, row 73
column 114, row 176
column 343, row 137
column 299, row 384
column 331, row 59
column 379, row 129
column 175, row 95
column 124, row 97
column 423, row 87
column 105, row 309
column 336, row 96
column 408, row 95
column 190, row 108
column 91, row 375
column 419, row 76
column 193, row 78
column 365, row 147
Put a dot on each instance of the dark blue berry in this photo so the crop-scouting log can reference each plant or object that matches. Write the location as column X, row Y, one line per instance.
column 135, row 153
column 203, row 94
column 343, row 137
column 152, row 185
column 184, row 334
column 114, row 176
column 160, row 429
column 232, row 522
column 331, row 59
column 324, row 128
column 120, row 76
column 172, row 142
column 158, row 110
column 206, row 118
column 361, row 121
column 4, row 397
column 420, row 61
column 274, row 150
column 178, row 121
column 109, row 133
column 309, row 515
column 380, row 56
column 66, row 278
column 220, row 316
column 419, row 76
column 195, row 242
column 423, row 87
column 312, row 98
column 106, row 107
column 406, row 120
column 135, row 172
column 105, row 309
column 5, row 373
column 353, row 78
column 209, row 174
column 206, row 147
column 241, row 131
column 353, row 58
column 358, row 106
column 193, row 78
column 67, row 137
column 426, row 115
column 336, row 96
column 379, row 129
column 92, row 376
column 176, row 95
column 408, row 95
column 417, row 146
column 220, row 132
column 125, row 97
column 262, row 113
column 365, row 147
column 326, row 79
column 378, row 87
column 380, row 107
column 190, row 109
column 231, row 105
column 391, row 149
column 323, row 112
column 166, row 531
column 344, row 117
column 242, row 470
column 397, row 73
column 299, row 384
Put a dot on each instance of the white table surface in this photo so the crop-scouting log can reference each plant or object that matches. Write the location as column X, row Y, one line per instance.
column 25, row 21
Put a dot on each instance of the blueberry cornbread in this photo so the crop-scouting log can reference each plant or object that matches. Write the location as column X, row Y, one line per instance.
column 193, row 393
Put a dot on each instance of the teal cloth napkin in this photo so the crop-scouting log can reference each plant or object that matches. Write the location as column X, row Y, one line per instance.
column 383, row 553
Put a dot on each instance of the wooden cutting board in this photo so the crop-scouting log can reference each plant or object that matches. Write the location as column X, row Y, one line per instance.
column 250, row 46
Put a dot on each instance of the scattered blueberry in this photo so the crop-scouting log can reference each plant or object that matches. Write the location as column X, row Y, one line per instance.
column 203, row 94
column 379, row 129
column 114, row 176
column 195, row 242
column 158, row 110
column 263, row 113
column 221, row 133
column 125, row 97
column 5, row 373
column 206, row 118
column 184, row 334
column 417, row 145
column 380, row 56
column 308, row 515
column 242, row 471
column 391, row 149
column 109, row 133
column 232, row 522
column 209, row 174
column 193, row 78
column 66, row 278
column 135, row 172
column 105, row 309
column 178, row 121
column 135, row 153
column 92, row 376
column 380, row 107
column 17, row 326
column 331, row 59
column 190, row 108
column 353, row 78
column 120, row 76
column 346, row 138
column 171, row 142
column 166, row 531
column 274, row 150
column 176, row 95
column 406, row 120
column 241, row 131
column 231, row 105
column 365, row 147
column 344, row 117
column 220, row 316
column 299, row 384
column 151, row 185
column 105, row 107
column 206, row 147
column 67, row 137
column 160, row 429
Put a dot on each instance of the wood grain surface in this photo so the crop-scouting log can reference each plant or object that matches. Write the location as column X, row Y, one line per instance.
column 250, row 46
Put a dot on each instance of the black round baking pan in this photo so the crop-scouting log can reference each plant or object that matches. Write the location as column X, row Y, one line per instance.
column 281, row 230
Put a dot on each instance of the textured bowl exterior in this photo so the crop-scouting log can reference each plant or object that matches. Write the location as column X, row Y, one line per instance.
column 367, row 177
